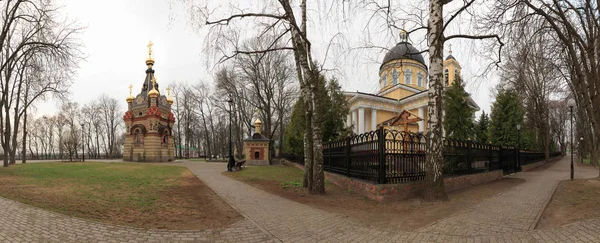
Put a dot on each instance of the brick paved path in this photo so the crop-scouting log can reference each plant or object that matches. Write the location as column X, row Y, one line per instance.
column 515, row 210
column 269, row 218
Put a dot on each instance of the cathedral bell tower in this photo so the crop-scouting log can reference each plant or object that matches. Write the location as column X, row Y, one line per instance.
column 149, row 121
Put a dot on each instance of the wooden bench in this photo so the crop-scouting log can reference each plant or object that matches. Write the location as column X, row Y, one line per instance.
column 239, row 164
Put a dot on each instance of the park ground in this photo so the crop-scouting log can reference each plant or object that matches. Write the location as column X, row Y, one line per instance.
column 273, row 208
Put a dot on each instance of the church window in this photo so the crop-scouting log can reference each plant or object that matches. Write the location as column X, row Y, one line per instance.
column 420, row 79
column 407, row 76
column 446, row 77
column 138, row 136
column 385, row 80
column 395, row 77
column 455, row 74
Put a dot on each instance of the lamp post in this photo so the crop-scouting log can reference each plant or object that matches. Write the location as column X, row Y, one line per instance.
column 82, row 145
column 231, row 162
column 518, row 147
column 571, row 104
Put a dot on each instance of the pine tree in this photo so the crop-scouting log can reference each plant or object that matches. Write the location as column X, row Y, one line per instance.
column 481, row 128
column 507, row 112
column 334, row 111
column 458, row 118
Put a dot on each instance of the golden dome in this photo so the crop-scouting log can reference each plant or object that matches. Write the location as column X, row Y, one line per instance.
column 130, row 98
column 153, row 93
column 150, row 62
column 170, row 100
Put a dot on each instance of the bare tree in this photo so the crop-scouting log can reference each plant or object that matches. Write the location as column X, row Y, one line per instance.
column 529, row 69
column 37, row 57
column 110, row 111
column 574, row 28
column 280, row 19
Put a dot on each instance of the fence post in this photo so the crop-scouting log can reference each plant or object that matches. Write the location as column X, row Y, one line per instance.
column 381, row 152
column 329, row 159
column 490, row 157
column 469, row 156
column 516, row 159
column 347, row 156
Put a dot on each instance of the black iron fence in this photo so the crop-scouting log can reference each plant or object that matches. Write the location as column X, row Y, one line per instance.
column 387, row 156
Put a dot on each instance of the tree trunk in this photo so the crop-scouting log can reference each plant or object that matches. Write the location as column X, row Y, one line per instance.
column 24, row 159
column 308, row 145
column 435, row 189
column 318, row 186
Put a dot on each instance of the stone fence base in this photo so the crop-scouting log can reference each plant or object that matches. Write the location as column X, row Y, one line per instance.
column 534, row 165
column 390, row 192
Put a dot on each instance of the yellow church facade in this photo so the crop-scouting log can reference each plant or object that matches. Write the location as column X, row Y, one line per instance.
column 401, row 102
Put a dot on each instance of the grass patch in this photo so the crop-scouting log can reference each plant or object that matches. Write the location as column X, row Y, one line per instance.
column 141, row 195
column 587, row 162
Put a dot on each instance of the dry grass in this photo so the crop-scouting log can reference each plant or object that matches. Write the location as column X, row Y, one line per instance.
column 147, row 196
column 572, row 201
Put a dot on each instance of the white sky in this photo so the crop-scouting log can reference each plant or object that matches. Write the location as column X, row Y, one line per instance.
column 117, row 32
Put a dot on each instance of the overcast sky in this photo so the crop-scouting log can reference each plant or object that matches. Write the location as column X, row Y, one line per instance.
column 117, row 32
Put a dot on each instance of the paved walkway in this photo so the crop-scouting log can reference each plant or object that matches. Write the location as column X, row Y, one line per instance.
column 505, row 218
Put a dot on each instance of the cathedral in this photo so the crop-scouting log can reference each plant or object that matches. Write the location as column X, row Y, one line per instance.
column 401, row 102
column 149, row 121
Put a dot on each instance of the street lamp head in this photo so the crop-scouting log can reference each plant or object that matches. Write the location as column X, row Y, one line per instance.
column 571, row 103
column 581, row 138
column 518, row 127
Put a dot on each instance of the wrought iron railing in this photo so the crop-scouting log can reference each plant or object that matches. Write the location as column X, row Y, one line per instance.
column 388, row 156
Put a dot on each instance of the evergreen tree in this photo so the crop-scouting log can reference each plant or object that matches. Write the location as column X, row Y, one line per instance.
column 507, row 113
column 458, row 118
column 334, row 110
column 481, row 128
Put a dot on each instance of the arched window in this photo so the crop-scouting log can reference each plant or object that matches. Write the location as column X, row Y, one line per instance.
column 138, row 136
column 455, row 73
column 420, row 79
column 395, row 77
column 385, row 80
column 407, row 76
column 381, row 83
column 446, row 77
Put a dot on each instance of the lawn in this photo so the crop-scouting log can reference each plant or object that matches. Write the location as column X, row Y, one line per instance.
column 572, row 201
column 141, row 195
column 587, row 162
column 286, row 181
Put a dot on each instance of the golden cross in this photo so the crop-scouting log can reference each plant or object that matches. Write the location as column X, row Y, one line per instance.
column 168, row 91
column 130, row 87
column 150, row 44
column 450, row 48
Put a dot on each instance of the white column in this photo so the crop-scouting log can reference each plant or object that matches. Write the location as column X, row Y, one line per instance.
column 361, row 120
column 373, row 119
column 354, row 123
column 348, row 120
column 422, row 116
